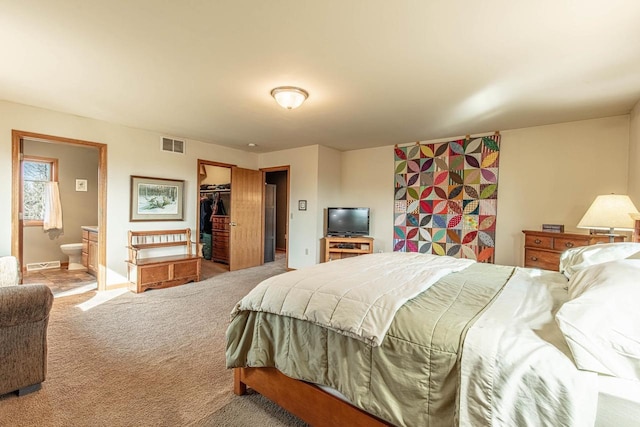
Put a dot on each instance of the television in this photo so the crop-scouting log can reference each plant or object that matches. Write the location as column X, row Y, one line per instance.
column 347, row 222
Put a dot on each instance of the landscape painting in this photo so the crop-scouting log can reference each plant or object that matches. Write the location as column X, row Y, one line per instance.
column 156, row 199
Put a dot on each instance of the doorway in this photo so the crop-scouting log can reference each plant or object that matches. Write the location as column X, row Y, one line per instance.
column 277, row 217
column 236, row 236
column 214, row 208
column 99, row 178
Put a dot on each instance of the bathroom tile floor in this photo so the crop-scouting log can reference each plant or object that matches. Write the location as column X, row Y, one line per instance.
column 61, row 281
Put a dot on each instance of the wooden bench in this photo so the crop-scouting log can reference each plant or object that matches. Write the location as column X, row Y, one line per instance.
column 161, row 271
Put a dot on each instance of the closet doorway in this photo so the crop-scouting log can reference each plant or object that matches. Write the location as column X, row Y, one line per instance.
column 230, row 215
column 276, row 206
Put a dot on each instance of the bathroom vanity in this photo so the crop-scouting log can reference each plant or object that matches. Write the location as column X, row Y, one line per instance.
column 90, row 248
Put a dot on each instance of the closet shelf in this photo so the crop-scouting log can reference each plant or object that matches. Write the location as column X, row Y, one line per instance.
column 226, row 190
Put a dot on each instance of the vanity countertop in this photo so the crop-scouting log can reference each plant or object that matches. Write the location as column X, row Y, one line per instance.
column 93, row 228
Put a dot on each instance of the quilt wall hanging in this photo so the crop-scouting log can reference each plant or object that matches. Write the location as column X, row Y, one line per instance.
column 446, row 197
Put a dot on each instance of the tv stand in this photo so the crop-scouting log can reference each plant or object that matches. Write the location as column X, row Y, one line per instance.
column 334, row 248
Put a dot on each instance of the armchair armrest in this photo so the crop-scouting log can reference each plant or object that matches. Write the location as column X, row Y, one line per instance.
column 23, row 304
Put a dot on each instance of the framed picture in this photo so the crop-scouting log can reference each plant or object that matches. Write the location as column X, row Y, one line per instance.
column 156, row 199
column 81, row 185
column 302, row 205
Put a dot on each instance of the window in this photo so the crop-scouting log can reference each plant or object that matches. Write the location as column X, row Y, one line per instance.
column 36, row 171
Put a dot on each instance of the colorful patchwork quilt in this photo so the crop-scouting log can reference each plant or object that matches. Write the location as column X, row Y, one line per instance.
column 446, row 198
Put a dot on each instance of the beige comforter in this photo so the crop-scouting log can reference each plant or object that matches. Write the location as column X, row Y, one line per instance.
column 411, row 378
column 357, row 297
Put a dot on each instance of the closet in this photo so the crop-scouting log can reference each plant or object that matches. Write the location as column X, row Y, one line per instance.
column 215, row 208
column 230, row 215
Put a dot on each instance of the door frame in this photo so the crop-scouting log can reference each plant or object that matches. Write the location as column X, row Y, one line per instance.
column 16, row 195
column 201, row 164
column 283, row 168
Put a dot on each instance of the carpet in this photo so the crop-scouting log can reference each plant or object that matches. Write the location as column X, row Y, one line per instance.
column 151, row 359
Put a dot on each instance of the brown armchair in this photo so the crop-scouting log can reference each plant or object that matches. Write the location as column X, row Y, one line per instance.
column 24, row 316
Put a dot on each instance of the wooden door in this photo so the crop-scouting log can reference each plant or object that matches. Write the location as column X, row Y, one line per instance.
column 246, row 244
column 269, row 223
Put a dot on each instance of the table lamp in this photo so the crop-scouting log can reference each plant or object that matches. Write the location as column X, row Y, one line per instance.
column 610, row 212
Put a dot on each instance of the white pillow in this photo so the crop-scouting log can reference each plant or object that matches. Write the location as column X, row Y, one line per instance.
column 576, row 259
column 634, row 256
column 601, row 321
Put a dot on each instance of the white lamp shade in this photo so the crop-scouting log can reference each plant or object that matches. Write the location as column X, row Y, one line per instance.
column 609, row 211
column 289, row 97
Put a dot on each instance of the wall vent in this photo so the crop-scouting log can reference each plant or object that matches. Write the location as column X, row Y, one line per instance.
column 173, row 145
column 47, row 265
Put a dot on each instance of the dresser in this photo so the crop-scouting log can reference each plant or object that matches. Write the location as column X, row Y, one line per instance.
column 542, row 249
column 220, row 238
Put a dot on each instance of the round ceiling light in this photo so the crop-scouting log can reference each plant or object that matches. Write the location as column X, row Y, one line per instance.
column 289, row 97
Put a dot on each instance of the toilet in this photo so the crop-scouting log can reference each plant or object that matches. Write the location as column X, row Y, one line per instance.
column 74, row 252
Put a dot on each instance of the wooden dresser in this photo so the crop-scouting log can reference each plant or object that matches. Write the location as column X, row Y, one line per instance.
column 542, row 249
column 220, row 238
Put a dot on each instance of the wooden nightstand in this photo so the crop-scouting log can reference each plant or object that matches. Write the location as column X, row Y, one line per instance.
column 542, row 249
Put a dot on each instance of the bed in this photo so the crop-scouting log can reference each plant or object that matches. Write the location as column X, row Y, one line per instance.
column 479, row 345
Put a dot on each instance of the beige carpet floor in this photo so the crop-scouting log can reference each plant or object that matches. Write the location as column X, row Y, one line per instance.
column 150, row 359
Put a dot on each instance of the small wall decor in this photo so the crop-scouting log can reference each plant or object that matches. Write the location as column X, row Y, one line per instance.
column 302, row 205
column 156, row 199
column 81, row 185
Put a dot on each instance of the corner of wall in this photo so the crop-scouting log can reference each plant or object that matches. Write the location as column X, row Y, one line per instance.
column 633, row 181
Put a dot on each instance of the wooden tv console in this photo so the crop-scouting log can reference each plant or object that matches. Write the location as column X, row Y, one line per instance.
column 334, row 248
column 161, row 271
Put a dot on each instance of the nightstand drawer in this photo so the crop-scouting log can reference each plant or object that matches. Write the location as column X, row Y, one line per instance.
column 534, row 258
column 543, row 248
column 562, row 244
column 539, row 242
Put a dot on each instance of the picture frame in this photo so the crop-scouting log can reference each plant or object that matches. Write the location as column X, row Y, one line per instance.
column 156, row 199
column 81, row 185
column 302, row 205
column 553, row 228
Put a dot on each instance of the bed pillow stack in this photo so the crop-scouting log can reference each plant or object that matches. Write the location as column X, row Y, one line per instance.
column 601, row 320
column 576, row 259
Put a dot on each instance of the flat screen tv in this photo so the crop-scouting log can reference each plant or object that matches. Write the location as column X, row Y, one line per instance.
column 347, row 221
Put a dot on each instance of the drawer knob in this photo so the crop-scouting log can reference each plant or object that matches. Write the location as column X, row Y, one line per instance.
column 537, row 241
column 569, row 244
column 534, row 258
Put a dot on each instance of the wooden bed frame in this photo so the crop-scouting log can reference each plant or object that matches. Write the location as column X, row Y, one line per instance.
column 305, row 400
column 636, row 230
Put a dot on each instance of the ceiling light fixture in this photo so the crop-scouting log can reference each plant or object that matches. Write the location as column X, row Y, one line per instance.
column 289, row 97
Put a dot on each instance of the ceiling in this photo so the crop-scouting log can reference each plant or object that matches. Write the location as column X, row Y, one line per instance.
column 378, row 72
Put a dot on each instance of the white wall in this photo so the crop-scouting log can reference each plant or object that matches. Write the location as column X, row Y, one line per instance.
column 548, row 174
column 216, row 175
column 303, row 225
column 633, row 183
column 129, row 152
column 368, row 181
column 551, row 174
column 329, row 187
